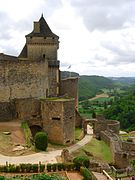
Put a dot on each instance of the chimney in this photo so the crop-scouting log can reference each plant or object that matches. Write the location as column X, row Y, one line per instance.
column 36, row 27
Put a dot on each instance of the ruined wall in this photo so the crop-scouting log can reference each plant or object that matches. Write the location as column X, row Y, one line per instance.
column 102, row 125
column 58, row 120
column 69, row 87
column 114, row 126
column 23, row 79
column 105, row 137
column 123, row 152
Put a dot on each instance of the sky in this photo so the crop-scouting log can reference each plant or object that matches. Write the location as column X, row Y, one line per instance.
column 97, row 37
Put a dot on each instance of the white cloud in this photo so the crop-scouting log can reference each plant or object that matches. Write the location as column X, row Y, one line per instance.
column 96, row 36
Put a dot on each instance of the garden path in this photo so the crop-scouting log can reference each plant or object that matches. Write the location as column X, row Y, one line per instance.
column 43, row 157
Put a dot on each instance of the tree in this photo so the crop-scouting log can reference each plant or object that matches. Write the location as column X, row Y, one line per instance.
column 123, row 110
column 93, row 114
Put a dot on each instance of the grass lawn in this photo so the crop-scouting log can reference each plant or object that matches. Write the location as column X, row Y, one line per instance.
column 99, row 149
column 78, row 134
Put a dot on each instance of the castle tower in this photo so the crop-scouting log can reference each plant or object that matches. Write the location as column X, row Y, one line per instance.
column 42, row 44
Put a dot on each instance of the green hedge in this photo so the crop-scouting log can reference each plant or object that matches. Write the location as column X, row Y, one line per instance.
column 81, row 161
column 41, row 141
column 87, row 175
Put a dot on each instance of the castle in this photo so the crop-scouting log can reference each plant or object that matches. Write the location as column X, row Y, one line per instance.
column 31, row 88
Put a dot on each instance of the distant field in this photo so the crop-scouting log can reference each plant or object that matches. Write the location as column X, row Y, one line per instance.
column 100, row 96
column 102, row 99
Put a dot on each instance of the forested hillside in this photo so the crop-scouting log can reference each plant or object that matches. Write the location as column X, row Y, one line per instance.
column 89, row 86
column 123, row 110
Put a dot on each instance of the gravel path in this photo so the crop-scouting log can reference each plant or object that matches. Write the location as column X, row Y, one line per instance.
column 43, row 157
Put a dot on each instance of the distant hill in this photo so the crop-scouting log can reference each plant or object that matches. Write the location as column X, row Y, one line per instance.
column 89, row 86
column 123, row 80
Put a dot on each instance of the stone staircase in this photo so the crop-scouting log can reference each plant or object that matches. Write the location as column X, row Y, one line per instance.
column 99, row 176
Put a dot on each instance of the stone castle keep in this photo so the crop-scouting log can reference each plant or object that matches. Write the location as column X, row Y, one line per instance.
column 31, row 88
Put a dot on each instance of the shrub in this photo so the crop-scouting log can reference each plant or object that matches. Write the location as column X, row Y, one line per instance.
column 2, row 178
column 42, row 167
column 4, row 168
column 85, row 173
column 49, row 167
column 28, row 168
column 81, row 161
column 41, row 141
column 70, row 166
column 60, row 166
column 11, row 168
column 22, row 168
column 35, row 168
column 54, row 167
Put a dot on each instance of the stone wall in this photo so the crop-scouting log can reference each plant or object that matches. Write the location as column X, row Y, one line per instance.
column 105, row 137
column 128, row 145
column 69, row 87
column 114, row 126
column 53, row 77
column 7, row 111
column 28, row 109
column 69, row 121
column 39, row 46
column 23, row 79
column 78, row 120
column 59, row 120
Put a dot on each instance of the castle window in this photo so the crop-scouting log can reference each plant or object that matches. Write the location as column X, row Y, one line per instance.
column 124, row 155
column 43, row 55
column 30, row 37
column 56, row 118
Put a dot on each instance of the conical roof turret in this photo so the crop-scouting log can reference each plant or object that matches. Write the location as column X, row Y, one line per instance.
column 41, row 29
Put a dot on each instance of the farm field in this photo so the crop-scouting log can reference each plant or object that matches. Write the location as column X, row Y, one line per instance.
column 96, row 104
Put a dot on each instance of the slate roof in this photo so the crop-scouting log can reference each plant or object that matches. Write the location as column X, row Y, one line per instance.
column 23, row 53
column 45, row 30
